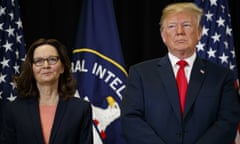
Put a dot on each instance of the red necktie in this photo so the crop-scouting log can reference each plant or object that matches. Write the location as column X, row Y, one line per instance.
column 182, row 83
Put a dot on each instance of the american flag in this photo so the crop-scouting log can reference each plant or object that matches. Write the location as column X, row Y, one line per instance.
column 12, row 47
column 216, row 43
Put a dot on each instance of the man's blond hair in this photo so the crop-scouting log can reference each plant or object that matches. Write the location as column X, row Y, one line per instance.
column 181, row 7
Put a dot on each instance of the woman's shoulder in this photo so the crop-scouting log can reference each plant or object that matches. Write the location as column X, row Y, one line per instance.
column 76, row 101
column 19, row 101
column 78, row 106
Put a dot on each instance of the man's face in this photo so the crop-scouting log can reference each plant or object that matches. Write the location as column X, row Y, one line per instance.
column 181, row 33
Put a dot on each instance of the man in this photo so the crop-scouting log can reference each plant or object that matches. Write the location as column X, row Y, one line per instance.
column 156, row 111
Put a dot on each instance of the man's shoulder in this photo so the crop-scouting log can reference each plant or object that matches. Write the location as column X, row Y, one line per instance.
column 215, row 68
column 148, row 63
column 213, row 65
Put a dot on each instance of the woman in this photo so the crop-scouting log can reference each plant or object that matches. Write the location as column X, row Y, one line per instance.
column 46, row 110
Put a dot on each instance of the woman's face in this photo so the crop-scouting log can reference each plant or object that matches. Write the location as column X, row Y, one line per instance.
column 47, row 66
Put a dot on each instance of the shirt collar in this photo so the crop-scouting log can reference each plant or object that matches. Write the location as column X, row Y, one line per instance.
column 190, row 60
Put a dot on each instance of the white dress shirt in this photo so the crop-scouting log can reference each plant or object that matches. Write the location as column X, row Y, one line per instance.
column 190, row 60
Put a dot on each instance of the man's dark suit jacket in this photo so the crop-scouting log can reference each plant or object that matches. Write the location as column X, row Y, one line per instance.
column 151, row 110
column 72, row 123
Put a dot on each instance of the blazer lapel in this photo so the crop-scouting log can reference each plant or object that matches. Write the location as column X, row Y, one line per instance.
column 57, row 119
column 35, row 117
column 196, row 80
column 169, row 81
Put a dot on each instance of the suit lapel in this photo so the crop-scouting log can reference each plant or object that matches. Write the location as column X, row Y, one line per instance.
column 57, row 119
column 169, row 82
column 196, row 80
column 35, row 120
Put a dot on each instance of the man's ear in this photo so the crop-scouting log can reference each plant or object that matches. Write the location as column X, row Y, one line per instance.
column 200, row 33
column 163, row 36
